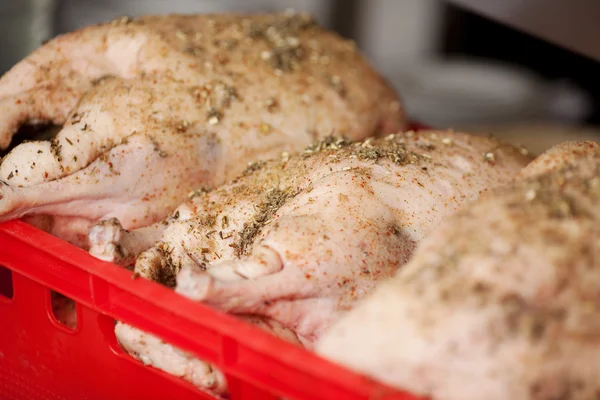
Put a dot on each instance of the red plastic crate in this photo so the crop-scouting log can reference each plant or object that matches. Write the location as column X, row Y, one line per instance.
column 42, row 359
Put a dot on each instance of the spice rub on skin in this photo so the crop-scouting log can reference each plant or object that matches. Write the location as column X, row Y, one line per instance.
column 300, row 238
column 199, row 87
column 284, row 208
column 507, row 289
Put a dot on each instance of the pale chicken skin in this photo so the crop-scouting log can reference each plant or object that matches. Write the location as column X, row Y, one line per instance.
column 155, row 107
column 300, row 239
column 499, row 302
column 153, row 351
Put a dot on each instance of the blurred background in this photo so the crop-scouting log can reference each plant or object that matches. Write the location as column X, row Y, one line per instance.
column 522, row 69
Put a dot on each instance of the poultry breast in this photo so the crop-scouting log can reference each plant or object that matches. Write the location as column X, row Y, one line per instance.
column 155, row 107
column 500, row 302
column 297, row 240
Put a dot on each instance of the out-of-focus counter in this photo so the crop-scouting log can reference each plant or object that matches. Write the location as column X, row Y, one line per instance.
column 537, row 136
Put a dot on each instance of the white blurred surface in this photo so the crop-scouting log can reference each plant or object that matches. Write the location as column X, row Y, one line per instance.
column 467, row 92
column 396, row 32
column 77, row 13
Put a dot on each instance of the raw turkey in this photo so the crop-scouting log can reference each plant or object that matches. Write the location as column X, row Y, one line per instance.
column 155, row 107
column 500, row 302
column 299, row 239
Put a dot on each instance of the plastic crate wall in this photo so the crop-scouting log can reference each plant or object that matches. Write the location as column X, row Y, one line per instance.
column 42, row 359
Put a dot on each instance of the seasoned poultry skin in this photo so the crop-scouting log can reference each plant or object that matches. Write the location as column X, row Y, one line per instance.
column 155, row 107
column 499, row 302
column 299, row 239
column 330, row 223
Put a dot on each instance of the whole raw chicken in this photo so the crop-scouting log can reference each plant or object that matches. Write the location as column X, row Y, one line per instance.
column 298, row 240
column 500, row 302
column 155, row 107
